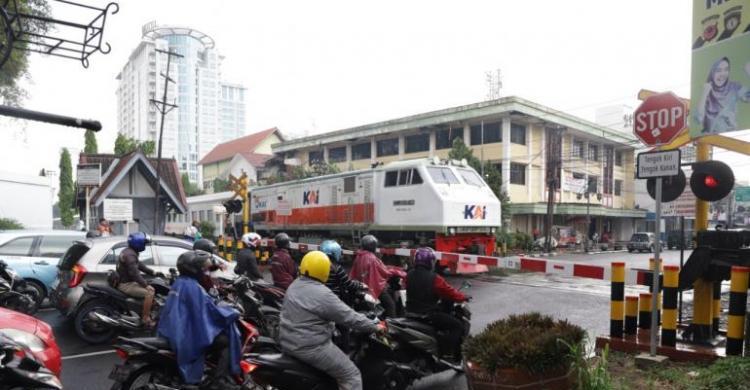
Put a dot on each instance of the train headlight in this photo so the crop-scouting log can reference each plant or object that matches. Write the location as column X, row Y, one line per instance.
column 451, row 231
column 493, row 230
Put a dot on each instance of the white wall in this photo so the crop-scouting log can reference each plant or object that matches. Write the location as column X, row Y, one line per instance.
column 27, row 199
column 141, row 187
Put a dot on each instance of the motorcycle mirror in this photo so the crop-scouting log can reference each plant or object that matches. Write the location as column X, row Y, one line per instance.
column 173, row 271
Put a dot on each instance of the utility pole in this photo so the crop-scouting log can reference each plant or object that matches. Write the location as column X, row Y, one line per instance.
column 553, row 173
column 164, row 108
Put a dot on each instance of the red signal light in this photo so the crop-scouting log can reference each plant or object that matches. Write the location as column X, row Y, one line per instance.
column 710, row 181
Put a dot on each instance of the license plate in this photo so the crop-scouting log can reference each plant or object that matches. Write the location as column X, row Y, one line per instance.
column 120, row 373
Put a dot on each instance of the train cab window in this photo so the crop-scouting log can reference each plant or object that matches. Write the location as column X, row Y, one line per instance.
column 350, row 184
column 415, row 178
column 403, row 177
column 471, row 178
column 442, row 175
column 391, row 178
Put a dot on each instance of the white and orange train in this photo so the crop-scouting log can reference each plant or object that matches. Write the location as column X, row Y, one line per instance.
column 446, row 205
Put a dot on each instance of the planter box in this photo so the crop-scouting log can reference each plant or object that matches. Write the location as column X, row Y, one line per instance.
column 511, row 378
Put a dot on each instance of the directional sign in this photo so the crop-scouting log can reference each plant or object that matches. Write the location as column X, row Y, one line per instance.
column 89, row 175
column 658, row 164
column 659, row 119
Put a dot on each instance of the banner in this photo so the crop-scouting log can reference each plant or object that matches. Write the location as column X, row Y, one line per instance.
column 720, row 78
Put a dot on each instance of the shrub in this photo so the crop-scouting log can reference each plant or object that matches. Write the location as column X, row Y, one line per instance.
column 505, row 238
column 207, row 229
column 523, row 241
column 532, row 342
column 10, row 224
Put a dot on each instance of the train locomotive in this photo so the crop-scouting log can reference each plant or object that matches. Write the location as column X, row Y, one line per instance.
column 444, row 204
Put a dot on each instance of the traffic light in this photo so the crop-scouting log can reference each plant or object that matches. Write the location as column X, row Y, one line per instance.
column 671, row 187
column 233, row 206
column 711, row 180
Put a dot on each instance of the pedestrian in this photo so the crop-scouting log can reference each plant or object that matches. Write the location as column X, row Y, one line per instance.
column 104, row 229
column 191, row 231
column 536, row 233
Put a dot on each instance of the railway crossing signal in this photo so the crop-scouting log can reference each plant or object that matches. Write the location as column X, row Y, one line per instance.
column 240, row 187
column 711, row 180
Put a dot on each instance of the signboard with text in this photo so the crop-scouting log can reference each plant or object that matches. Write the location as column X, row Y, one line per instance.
column 89, row 175
column 659, row 119
column 118, row 209
column 658, row 164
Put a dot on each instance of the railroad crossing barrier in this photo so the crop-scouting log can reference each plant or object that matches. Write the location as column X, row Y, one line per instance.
column 737, row 308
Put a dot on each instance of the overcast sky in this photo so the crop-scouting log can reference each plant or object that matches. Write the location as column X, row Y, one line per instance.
column 314, row 66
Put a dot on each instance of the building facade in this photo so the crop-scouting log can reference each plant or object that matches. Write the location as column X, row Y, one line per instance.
column 197, row 124
column 516, row 136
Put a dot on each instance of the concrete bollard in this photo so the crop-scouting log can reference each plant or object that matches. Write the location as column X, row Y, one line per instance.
column 644, row 311
column 737, row 308
column 631, row 315
column 669, row 308
column 617, row 308
column 716, row 308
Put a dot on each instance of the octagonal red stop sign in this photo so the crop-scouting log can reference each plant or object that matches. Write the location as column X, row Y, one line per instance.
column 659, row 119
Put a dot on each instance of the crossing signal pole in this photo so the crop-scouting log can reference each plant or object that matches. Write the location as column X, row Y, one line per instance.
column 240, row 187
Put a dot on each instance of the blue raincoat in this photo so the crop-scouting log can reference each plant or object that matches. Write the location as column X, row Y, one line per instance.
column 190, row 320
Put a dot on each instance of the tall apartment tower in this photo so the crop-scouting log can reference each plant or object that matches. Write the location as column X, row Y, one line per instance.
column 197, row 125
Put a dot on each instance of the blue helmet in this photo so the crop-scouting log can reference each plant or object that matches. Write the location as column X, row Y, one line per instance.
column 138, row 241
column 332, row 249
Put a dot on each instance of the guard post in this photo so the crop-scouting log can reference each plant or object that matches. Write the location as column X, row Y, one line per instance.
column 669, row 316
column 617, row 308
column 644, row 311
column 631, row 315
column 737, row 308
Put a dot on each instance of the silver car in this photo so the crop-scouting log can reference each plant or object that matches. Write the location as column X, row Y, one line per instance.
column 89, row 260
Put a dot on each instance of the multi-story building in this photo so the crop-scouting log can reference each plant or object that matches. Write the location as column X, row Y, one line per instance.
column 515, row 135
column 197, row 124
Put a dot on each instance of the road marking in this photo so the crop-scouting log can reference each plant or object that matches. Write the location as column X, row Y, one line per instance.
column 84, row 355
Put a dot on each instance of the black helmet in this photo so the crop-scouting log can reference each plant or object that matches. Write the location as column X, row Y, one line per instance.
column 205, row 245
column 282, row 240
column 369, row 243
column 191, row 263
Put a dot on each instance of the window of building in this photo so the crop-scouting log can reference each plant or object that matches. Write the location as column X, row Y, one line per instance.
column 337, row 154
column 618, row 187
column 350, row 184
column 518, row 134
column 593, row 152
column 578, row 149
column 387, row 147
column 492, row 134
column 593, row 185
column 517, row 173
column 444, row 137
column 577, row 175
column 361, row 151
column 417, row 143
column 314, row 157
column 618, row 158
column 442, row 175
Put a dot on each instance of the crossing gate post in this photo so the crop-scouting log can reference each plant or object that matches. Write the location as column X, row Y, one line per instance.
column 669, row 308
column 737, row 308
column 631, row 315
column 617, row 309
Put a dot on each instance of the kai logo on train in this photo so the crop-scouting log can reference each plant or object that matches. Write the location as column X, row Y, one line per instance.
column 310, row 197
column 475, row 212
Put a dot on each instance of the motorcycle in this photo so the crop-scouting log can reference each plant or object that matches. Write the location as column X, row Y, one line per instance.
column 106, row 311
column 397, row 289
column 15, row 293
column 149, row 362
column 18, row 371
column 242, row 292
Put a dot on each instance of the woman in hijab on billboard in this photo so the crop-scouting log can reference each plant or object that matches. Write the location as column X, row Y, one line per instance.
column 717, row 110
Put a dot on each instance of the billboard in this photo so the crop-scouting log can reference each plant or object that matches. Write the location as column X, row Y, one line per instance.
column 720, row 77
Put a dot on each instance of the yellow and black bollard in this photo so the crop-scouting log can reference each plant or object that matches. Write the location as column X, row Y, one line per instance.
column 617, row 308
column 669, row 315
column 737, row 308
column 652, row 267
column 716, row 308
column 220, row 246
column 631, row 314
column 644, row 311
column 230, row 250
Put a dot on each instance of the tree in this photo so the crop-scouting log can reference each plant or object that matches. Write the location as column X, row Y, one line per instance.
column 317, row 169
column 492, row 176
column 91, row 146
column 190, row 188
column 10, row 224
column 16, row 68
column 221, row 185
column 67, row 189
column 125, row 145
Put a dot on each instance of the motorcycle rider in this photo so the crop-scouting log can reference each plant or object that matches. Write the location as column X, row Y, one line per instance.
column 247, row 264
column 208, row 246
column 283, row 268
column 338, row 281
column 196, row 326
column 424, row 287
column 370, row 270
column 308, row 315
column 129, row 269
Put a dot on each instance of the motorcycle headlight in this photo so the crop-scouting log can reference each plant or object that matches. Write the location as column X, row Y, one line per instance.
column 28, row 340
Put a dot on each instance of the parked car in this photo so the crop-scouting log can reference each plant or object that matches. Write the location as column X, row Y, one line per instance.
column 34, row 255
column 33, row 334
column 89, row 260
column 643, row 242
column 674, row 242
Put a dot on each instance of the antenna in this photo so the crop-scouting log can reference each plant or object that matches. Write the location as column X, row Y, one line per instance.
column 494, row 81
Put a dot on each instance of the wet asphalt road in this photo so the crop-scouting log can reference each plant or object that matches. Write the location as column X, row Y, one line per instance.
column 632, row 260
column 582, row 301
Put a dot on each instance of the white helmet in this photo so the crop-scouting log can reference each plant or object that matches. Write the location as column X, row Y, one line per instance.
column 251, row 239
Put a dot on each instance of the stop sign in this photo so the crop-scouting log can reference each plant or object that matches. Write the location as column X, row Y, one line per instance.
column 659, row 119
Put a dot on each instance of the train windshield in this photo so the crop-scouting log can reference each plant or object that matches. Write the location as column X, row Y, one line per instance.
column 471, row 177
column 442, row 175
